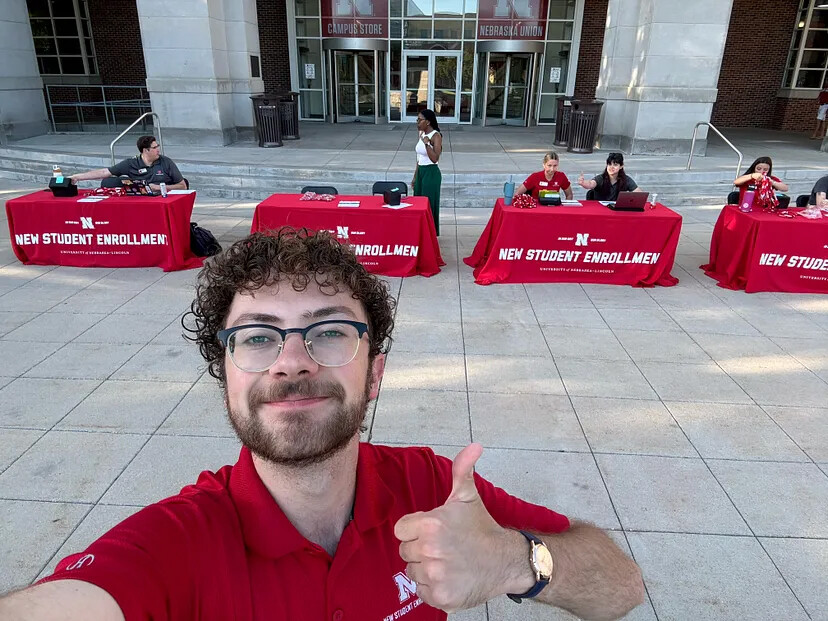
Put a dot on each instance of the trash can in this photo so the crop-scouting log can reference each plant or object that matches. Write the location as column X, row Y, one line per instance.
column 583, row 125
column 562, row 121
column 267, row 117
column 289, row 115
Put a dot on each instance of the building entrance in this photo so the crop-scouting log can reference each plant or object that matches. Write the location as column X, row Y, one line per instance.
column 431, row 80
column 356, row 81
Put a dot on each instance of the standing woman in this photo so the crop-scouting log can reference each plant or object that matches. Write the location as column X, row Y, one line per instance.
column 427, row 178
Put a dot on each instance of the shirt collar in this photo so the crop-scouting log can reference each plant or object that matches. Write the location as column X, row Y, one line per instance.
column 265, row 527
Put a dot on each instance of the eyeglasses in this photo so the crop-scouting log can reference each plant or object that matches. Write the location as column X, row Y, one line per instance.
column 155, row 146
column 256, row 347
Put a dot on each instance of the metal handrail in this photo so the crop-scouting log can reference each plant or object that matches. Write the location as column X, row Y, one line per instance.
column 730, row 144
column 155, row 124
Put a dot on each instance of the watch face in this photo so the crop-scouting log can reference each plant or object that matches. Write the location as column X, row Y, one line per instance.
column 542, row 560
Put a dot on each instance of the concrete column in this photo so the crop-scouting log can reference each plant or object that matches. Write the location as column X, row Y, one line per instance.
column 197, row 55
column 22, row 108
column 659, row 72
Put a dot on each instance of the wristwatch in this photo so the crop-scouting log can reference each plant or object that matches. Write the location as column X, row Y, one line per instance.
column 540, row 560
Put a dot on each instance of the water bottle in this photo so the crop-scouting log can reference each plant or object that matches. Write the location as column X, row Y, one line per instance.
column 654, row 200
column 508, row 192
column 163, row 189
column 747, row 201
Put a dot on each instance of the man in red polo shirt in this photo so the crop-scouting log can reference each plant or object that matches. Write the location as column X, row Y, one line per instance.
column 550, row 178
column 310, row 523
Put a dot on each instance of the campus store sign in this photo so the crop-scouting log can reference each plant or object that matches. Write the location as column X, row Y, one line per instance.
column 512, row 19
column 355, row 18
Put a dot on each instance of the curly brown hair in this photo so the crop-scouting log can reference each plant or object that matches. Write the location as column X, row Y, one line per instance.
column 263, row 259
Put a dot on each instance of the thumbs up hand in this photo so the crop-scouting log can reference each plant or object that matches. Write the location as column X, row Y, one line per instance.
column 457, row 554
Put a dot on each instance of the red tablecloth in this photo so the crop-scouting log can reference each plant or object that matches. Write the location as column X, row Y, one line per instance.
column 120, row 231
column 589, row 244
column 391, row 242
column 760, row 251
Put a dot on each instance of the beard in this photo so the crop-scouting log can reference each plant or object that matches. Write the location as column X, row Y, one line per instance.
column 303, row 438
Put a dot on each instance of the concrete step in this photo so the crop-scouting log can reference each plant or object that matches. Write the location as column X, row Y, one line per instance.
column 255, row 182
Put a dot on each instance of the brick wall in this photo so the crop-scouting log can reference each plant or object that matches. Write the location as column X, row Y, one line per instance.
column 273, row 42
column 117, row 37
column 796, row 115
column 753, row 64
column 592, row 45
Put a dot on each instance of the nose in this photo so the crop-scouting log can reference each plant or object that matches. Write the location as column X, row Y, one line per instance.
column 293, row 360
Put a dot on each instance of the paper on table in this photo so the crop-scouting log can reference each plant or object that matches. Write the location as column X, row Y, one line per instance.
column 573, row 203
column 400, row 206
column 605, row 203
column 348, row 204
column 180, row 192
column 92, row 199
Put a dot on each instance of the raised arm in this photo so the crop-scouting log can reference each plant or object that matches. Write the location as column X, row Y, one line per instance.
column 62, row 600
column 590, row 184
column 434, row 147
column 592, row 577
column 740, row 181
column 98, row 173
column 459, row 556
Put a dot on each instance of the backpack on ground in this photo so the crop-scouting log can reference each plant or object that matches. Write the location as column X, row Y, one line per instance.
column 202, row 242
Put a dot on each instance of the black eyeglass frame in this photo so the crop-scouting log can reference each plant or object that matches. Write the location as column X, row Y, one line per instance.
column 224, row 338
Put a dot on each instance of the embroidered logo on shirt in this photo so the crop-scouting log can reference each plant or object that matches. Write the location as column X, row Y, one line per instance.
column 82, row 562
column 406, row 587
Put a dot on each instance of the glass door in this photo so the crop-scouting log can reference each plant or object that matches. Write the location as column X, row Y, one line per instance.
column 431, row 80
column 515, row 108
column 354, row 80
column 507, row 89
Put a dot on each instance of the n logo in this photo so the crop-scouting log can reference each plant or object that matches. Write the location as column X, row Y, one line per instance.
column 406, row 587
column 86, row 223
column 342, row 232
column 581, row 239
column 82, row 562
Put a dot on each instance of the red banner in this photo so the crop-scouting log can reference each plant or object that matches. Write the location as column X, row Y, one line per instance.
column 401, row 242
column 119, row 231
column 760, row 251
column 587, row 244
column 512, row 19
column 355, row 18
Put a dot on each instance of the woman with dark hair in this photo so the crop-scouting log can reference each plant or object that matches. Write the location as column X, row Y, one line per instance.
column 613, row 180
column 427, row 177
column 761, row 168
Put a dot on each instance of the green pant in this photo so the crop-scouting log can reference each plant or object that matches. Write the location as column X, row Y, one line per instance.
column 427, row 183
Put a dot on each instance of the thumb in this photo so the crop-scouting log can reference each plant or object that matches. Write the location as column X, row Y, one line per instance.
column 463, row 488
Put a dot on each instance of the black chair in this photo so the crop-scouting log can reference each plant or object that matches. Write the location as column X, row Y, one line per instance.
column 733, row 198
column 186, row 182
column 111, row 182
column 380, row 187
column 802, row 200
column 591, row 195
column 320, row 189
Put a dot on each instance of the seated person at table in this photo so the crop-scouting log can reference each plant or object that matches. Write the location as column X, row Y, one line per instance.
column 613, row 180
column 149, row 165
column 760, row 169
column 550, row 178
column 819, row 193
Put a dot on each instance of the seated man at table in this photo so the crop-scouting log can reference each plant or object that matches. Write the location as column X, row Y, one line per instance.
column 149, row 166
column 819, row 193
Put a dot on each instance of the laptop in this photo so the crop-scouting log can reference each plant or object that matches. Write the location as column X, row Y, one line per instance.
column 136, row 188
column 630, row 201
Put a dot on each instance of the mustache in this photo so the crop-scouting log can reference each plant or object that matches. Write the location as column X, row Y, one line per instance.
column 303, row 389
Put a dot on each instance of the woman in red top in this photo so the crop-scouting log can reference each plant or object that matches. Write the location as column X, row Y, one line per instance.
column 550, row 178
column 762, row 167
column 819, row 130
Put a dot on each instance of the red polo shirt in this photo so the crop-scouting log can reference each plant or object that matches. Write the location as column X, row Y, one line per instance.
column 537, row 181
column 222, row 549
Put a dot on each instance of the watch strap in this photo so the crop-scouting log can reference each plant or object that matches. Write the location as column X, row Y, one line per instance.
column 540, row 582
